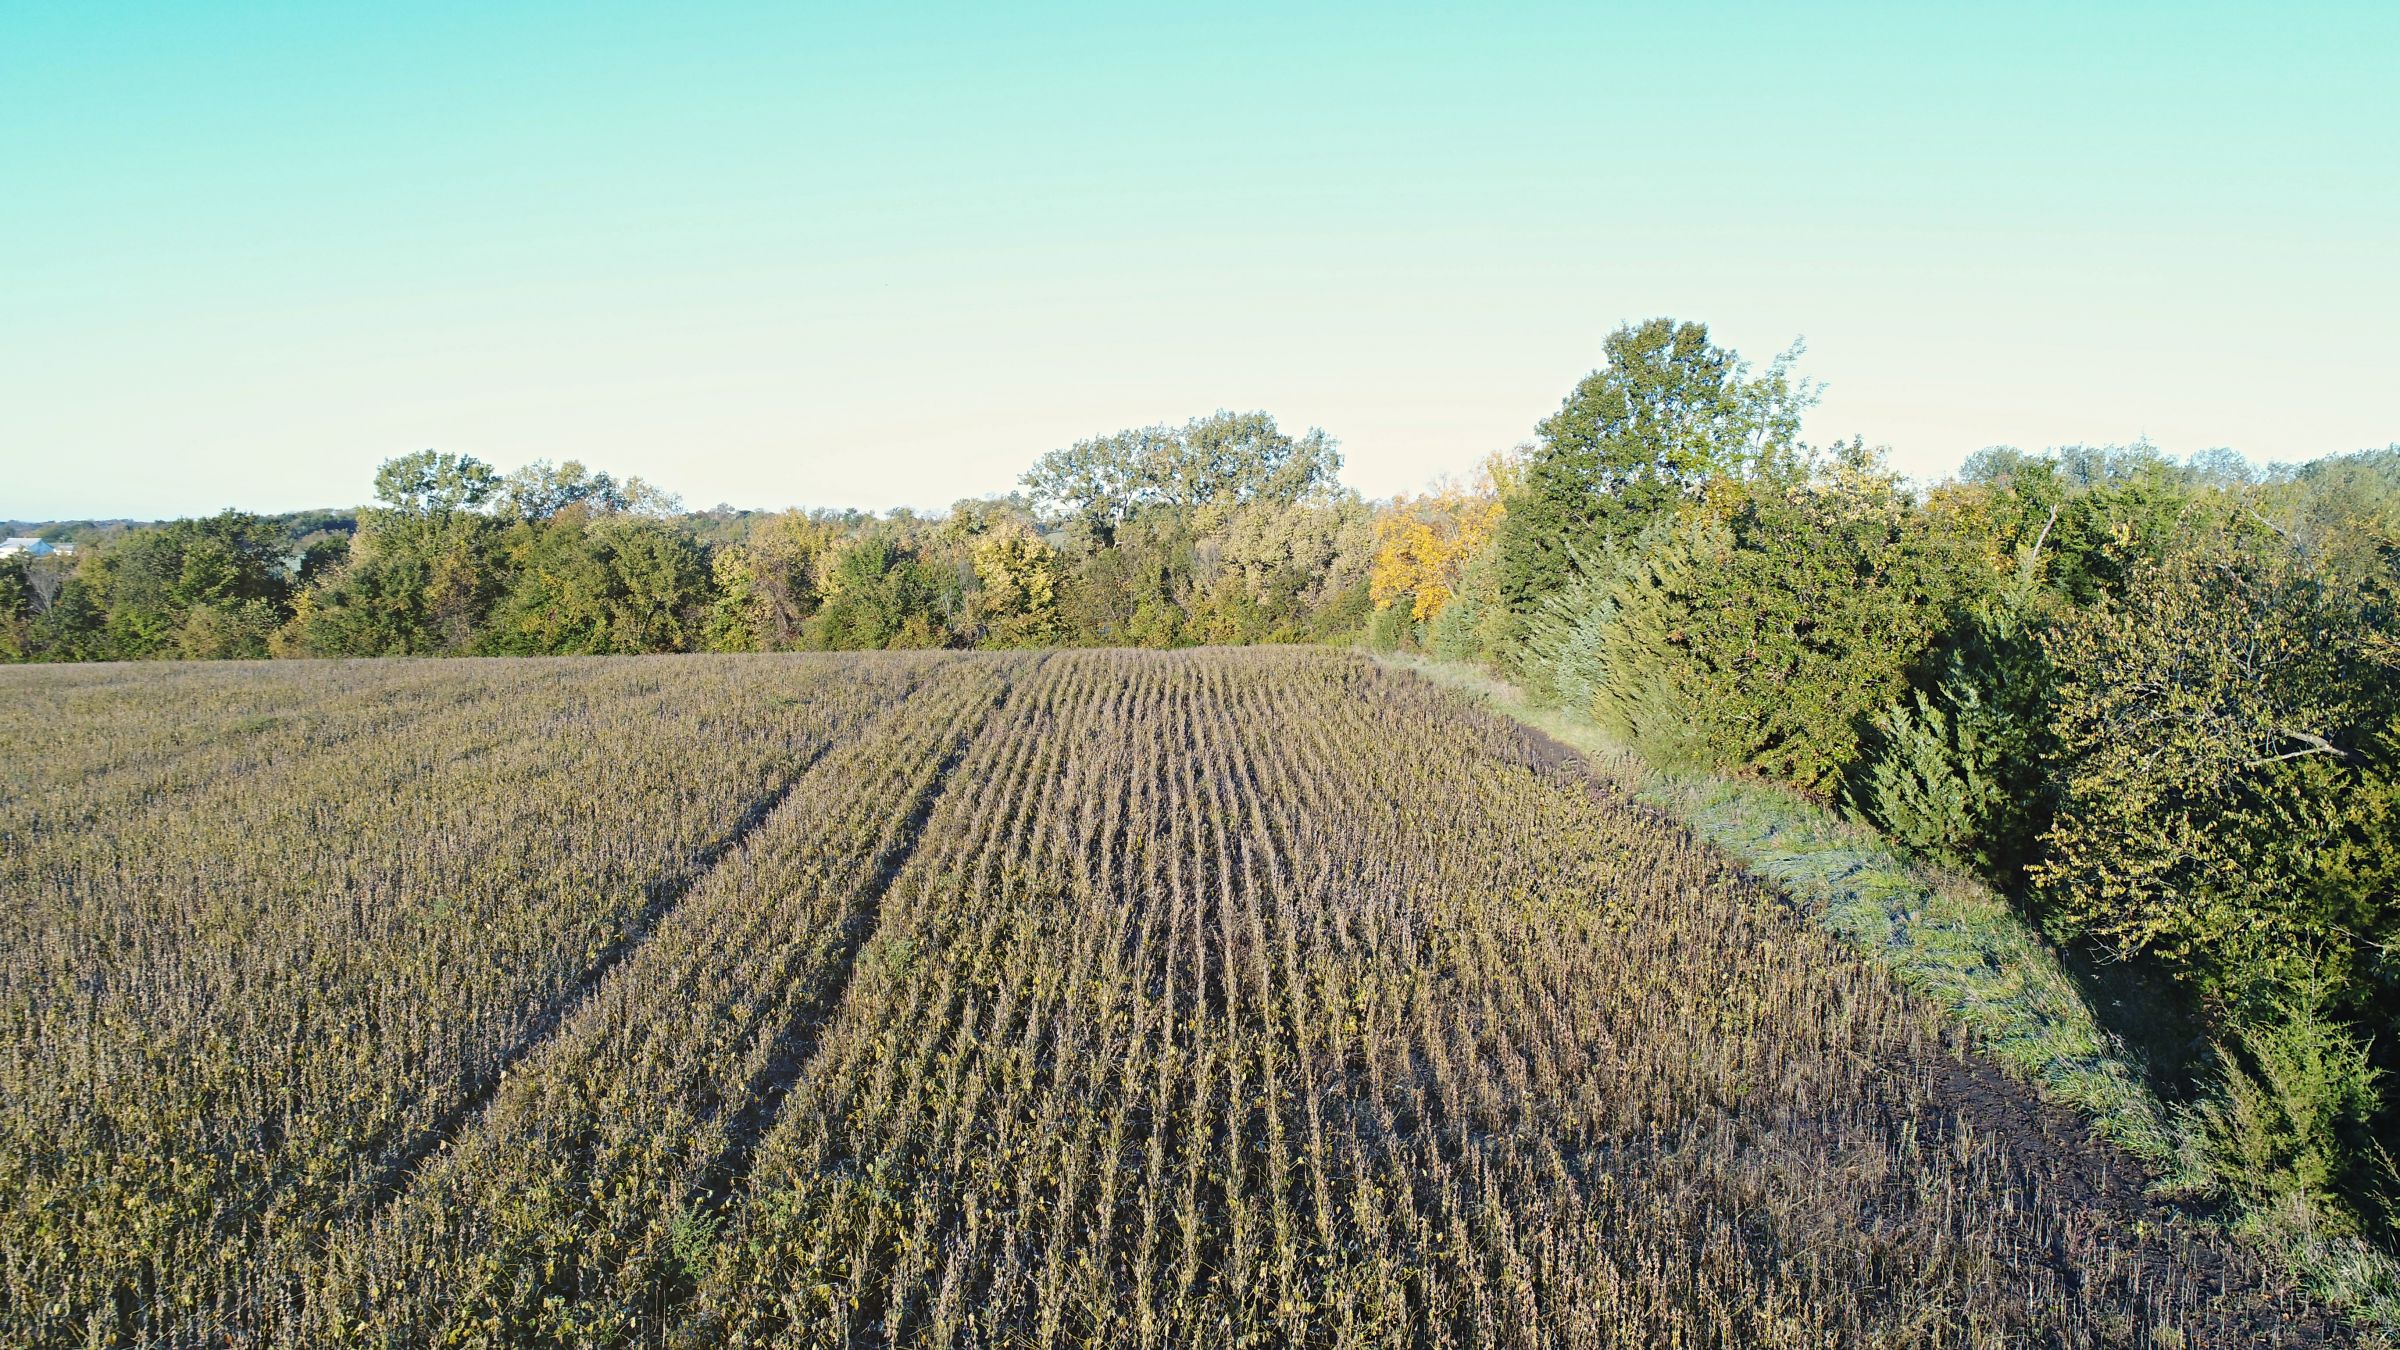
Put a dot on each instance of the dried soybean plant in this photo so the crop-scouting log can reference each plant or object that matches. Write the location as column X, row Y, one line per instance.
column 1262, row 998
column 268, row 931
column 574, row 1210
column 1141, row 999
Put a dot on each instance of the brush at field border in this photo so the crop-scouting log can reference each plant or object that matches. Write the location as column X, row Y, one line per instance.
column 1964, row 947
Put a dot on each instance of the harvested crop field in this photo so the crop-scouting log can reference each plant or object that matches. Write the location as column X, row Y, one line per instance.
column 1259, row 997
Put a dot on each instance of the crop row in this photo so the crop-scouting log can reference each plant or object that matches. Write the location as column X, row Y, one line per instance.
column 276, row 972
column 571, row 1211
column 1142, row 999
column 1263, row 999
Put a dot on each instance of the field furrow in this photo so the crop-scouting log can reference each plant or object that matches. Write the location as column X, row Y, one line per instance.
column 1219, row 1029
column 1137, row 999
column 233, row 1019
column 574, row 1207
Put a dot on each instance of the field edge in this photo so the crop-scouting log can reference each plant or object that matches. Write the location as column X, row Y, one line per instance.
column 1962, row 946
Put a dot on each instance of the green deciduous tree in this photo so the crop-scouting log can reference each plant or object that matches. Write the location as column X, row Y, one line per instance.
column 2225, row 771
column 574, row 561
column 1219, row 460
column 541, row 489
column 431, row 482
column 879, row 593
column 586, row 584
column 415, row 583
column 1016, row 604
column 767, row 585
column 206, row 588
column 2100, row 512
column 1668, row 411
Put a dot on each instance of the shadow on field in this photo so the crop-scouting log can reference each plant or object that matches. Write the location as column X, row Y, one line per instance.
column 2153, row 1016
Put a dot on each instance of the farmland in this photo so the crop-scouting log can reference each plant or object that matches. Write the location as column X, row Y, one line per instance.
column 1090, row 998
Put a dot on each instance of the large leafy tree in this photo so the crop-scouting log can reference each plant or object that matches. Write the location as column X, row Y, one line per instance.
column 2226, row 778
column 1960, row 766
column 211, row 587
column 2097, row 512
column 879, row 592
column 586, row 584
column 434, row 483
column 422, row 573
column 1269, row 570
column 1016, row 602
column 1135, row 590
column 541, row 490
column 1223, row 459
column 1423, row 546
column 1668, row 411
column 767, row 585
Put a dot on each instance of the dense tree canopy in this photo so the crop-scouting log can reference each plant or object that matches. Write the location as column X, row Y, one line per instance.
column 433, row 483
column 2227, row 787
column 541, row 490
column 1763, row 626
column 1224, row 459
column 1669, row 411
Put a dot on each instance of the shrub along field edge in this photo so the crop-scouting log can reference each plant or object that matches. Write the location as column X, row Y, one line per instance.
column 1953, row 940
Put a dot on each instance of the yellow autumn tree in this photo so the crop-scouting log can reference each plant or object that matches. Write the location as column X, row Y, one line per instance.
column 1422, row 544
column 1018, row 599
column 768, row 585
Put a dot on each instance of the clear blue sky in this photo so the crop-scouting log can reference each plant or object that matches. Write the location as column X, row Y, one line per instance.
column 790, row 254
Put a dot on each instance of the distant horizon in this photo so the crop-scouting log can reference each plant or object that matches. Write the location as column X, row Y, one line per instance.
column 784, row 253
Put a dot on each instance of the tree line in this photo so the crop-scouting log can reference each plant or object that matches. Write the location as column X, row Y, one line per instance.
column 2158, row 702
column 1223, row 530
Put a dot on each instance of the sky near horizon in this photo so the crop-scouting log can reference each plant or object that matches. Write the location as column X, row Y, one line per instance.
column 796, row 254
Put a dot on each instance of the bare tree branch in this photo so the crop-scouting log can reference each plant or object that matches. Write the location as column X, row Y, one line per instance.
column 2317, row 745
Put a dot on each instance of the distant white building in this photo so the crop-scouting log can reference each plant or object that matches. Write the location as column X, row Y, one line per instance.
column 28, row 545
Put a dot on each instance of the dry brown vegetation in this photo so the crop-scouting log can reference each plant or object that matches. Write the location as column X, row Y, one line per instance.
column 1213, row 998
